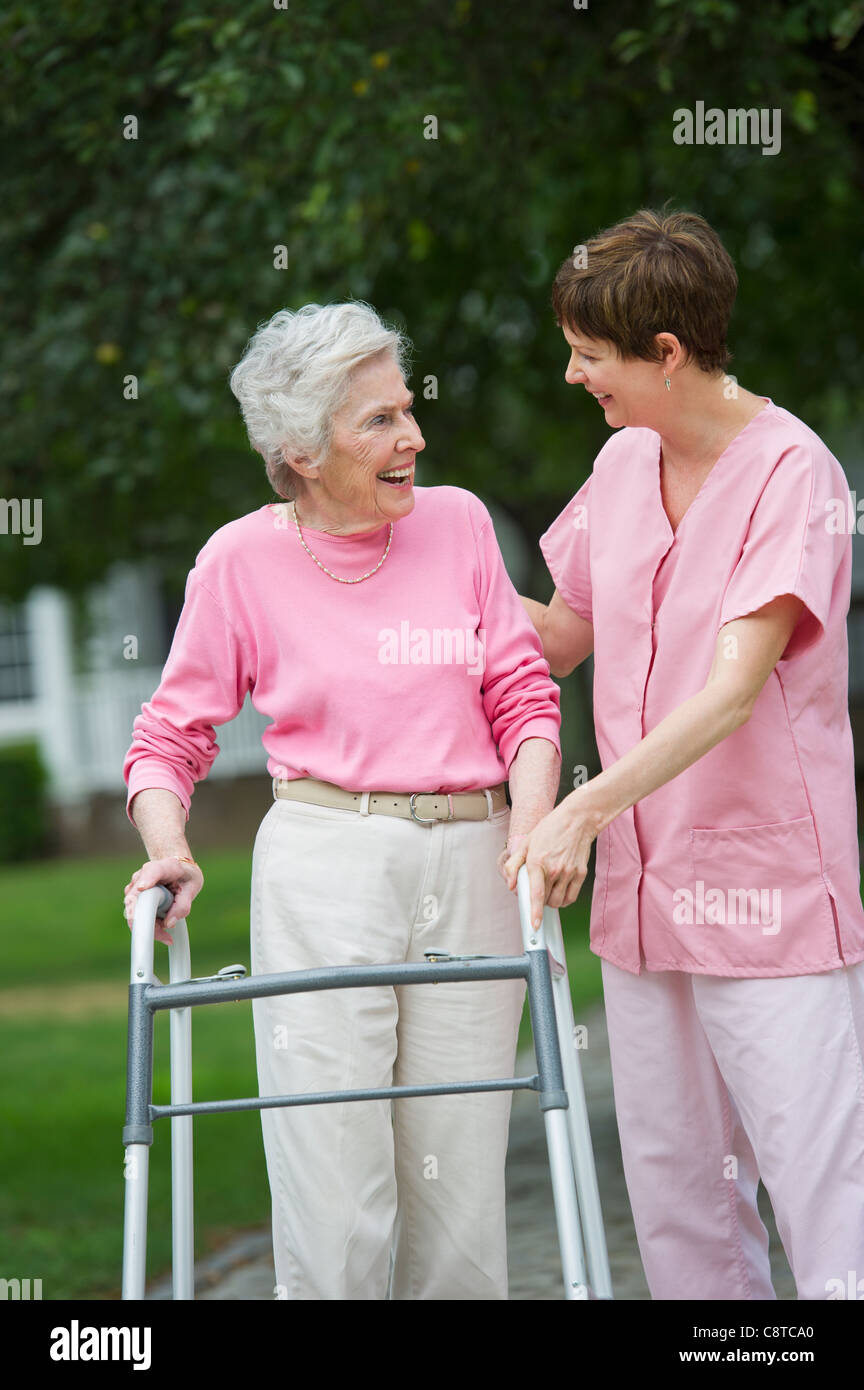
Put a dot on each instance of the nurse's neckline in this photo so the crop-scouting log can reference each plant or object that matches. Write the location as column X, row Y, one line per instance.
column 767, row 407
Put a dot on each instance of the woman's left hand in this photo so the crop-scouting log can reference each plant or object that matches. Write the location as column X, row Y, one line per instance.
column 555, row 853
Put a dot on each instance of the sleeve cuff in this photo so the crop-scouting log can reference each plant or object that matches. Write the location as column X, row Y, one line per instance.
column 535, row 728
column 158, row 778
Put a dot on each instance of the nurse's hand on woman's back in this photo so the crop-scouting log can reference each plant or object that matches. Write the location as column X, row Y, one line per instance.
column 567, row 638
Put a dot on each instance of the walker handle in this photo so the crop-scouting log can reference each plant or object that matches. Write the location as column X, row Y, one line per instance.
column 153, row 903
column 166, row 898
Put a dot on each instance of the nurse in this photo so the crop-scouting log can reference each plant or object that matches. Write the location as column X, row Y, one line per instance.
column 702, row 565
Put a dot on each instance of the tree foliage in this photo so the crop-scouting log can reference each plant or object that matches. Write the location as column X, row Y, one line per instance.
column 305, row 127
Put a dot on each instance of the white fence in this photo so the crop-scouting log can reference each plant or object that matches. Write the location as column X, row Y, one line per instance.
column 97, row 715
column 105, row 707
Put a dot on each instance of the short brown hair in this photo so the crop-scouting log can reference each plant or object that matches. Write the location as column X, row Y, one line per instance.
column 655, row 272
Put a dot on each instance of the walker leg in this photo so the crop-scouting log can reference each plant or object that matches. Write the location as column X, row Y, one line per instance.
column 566, row 1207
column 554, row 1103
column 137, row 1138
column 182, row 1195
column 138, row 1130
column 136, row 1170
column 600, row 1277
column 567, row 1130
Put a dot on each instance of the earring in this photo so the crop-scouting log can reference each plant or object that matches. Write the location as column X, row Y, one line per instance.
column 668, row 383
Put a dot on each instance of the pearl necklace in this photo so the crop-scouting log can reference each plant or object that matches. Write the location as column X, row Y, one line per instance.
column 338, row 577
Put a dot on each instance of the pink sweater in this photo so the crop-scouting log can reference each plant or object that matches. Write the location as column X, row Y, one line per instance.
column 425, row 677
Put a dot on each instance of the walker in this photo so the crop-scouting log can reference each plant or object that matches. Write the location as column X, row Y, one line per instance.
column 557, row 1081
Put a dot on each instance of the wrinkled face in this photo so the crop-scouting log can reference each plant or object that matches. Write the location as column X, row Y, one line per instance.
column 626, row 390
column 368, row 477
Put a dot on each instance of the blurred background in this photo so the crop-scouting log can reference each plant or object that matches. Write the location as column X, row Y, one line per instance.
column 174, row 174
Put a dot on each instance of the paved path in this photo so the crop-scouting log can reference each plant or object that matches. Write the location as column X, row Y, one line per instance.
column 244, row 1269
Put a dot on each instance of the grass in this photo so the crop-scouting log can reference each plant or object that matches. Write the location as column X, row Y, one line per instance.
column 62, row 1088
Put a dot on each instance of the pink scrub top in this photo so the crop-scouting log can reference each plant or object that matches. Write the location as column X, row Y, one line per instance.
column 747, row 862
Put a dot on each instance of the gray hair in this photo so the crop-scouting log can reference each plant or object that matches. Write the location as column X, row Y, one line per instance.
column 296, row 373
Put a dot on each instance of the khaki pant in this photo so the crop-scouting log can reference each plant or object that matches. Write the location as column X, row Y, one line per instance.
column 378, row 1199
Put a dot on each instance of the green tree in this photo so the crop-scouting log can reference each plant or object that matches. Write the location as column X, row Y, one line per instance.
column 158, row 153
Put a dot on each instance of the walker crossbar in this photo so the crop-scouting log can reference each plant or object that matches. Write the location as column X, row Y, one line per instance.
column 557, row 1080
column 335, row 977
column 217, row 1107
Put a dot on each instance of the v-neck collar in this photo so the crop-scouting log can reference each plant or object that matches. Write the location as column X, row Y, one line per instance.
column 769, row 405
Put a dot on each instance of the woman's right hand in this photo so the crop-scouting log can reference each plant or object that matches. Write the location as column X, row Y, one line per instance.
column 184, row 880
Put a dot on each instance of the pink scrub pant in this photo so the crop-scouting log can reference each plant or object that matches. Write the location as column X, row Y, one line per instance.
column 719, row 1081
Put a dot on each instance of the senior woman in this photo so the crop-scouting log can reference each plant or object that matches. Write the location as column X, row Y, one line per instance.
column 375, row 623
column 701, row 565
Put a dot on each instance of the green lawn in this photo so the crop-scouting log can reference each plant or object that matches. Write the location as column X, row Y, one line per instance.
column 62, row 1087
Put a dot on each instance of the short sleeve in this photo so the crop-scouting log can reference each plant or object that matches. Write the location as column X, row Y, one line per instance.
column 565, row 549
column 790, row 547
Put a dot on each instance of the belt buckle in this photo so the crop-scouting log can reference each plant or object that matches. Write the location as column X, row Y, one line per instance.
column 425, row 820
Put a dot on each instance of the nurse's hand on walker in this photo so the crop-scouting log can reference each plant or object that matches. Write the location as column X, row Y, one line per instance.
column 555, row 854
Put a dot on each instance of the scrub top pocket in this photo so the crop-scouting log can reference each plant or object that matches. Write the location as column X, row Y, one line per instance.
column 740, row 877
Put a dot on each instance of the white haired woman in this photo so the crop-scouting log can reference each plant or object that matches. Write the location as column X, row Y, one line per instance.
column 375, row 623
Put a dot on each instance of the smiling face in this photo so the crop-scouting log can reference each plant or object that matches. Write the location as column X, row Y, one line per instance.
column 374, row 434
column 626, row 389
